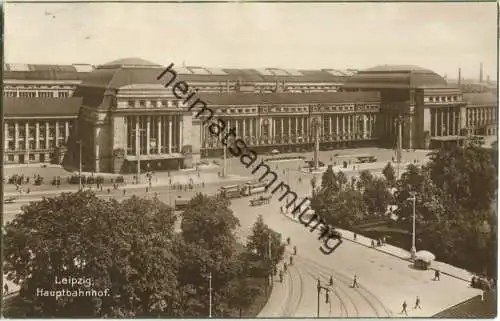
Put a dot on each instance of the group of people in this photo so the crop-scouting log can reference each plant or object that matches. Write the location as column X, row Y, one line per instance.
column 379, row 242
column 285, row 265
column 405, row 306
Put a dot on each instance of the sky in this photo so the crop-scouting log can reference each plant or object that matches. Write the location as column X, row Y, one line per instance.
column 438, row 36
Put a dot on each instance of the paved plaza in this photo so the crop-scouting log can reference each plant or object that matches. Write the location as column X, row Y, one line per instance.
column 386, row 276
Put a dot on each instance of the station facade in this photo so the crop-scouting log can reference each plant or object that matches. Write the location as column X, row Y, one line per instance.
column 121, row 114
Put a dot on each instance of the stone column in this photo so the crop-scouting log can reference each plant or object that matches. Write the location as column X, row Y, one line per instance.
column 57, row 134
column 27, row 141
column 16, row 135
column 244, row 128
column 66, row 128
column 337, row 125
column 282, row 121
column 289, row 127
column 330, row 129
column 181, row 126
column 47, row 135
column 148, row 134
column 6, row 135
column 170, row 134
column 435, row 115
column 158, row 124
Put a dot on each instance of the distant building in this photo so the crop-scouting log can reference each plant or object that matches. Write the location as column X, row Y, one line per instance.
column 115, row 108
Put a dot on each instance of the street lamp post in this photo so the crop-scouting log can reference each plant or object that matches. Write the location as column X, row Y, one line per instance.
column 413, row 247
column 327, row 290
column 80, row 166
column 137, row 132
column 210, row 295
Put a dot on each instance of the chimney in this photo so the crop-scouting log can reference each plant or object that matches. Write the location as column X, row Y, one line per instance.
column 459, row 76
column 481, row 73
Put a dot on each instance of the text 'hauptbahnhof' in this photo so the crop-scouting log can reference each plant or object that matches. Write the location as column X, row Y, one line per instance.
column 52, row 110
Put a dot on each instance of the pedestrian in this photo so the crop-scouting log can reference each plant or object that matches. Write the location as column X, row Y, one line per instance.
column 288, row 240
column 284, row 266
column 124, row 191
column 417, row 303
column 281, row 209
column 355, row 236
column 436, row 275
column 331, row 280
column 404, row 308
column 291, row 260
column 373, row 243
column 355, row 282
column 294, row 250
column 5, row 289
column 383, row 240
column 109, row 191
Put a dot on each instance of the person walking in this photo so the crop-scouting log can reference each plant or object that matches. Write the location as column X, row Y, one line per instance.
column 288, row 240
column 284, row 266
column 294, row 250
column 355, row 236
column 291, row 260
column 5, row 289
column 404, row 308
column 436, row 275
column 331, row 280
column 355, row 282
column 417, row 303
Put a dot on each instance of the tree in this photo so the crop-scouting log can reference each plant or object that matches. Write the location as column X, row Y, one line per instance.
column 389, row 174
column 467, row 175
column 241, row 294
column 208, row 245
column 454, row 196
column 265, row 241
column 376, row 196
column 124, row 247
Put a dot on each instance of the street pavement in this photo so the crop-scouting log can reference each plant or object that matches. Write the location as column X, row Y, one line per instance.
column 385, row 280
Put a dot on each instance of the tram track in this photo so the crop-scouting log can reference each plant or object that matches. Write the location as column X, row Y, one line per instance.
column 342, row 305
column 365, row 294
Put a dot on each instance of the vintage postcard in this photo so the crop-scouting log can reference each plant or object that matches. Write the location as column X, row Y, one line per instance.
column 250, row 160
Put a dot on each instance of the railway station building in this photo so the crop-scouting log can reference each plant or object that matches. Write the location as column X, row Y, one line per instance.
column 120, row 113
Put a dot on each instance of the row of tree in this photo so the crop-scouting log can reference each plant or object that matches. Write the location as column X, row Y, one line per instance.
column 133, row 249
column 456, row 199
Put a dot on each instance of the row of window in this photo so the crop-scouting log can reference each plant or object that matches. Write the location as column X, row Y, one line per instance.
column 10, row 129
column 142, row 103
column 11, row 146
column 441, row 99
column 37, row 94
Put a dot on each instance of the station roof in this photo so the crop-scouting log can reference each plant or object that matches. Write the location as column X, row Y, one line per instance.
column 43, row 107
column 396, row 77
column 486, row 98
column 126, row 71
column 46, row 72
column 290, row 98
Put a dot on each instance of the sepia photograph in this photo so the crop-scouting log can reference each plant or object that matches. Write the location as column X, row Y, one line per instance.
column 249, row 159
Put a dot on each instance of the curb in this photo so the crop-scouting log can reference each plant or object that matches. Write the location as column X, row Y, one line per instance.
column 388, row 253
